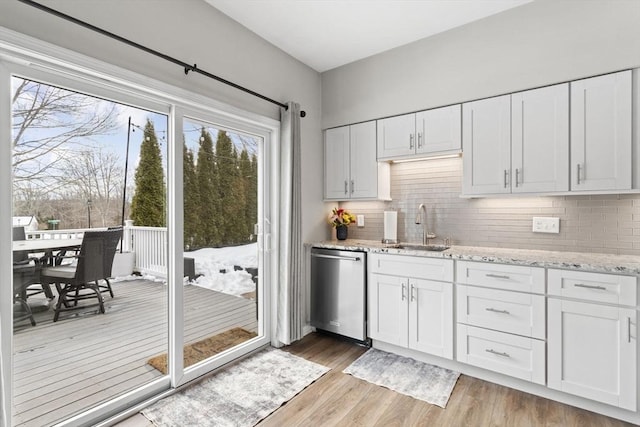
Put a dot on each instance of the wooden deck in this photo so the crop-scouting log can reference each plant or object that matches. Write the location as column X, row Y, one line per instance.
column 86, row 358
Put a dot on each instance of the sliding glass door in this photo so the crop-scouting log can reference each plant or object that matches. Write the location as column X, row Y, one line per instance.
column 189, row 283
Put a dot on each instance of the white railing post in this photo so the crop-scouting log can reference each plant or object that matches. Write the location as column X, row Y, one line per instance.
column 127, row 232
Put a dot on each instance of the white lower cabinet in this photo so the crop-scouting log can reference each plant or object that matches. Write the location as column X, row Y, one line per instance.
column 509, row 354
column 593, row 346
column 501, row 322
column 411, row 312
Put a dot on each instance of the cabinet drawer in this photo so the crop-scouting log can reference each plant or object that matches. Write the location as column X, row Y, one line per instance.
column 513, row 312
column 597, row 287
column 410, row 266
column 501, row 276
column 507, row 354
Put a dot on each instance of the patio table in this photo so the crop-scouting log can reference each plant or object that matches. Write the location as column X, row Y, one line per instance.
column 48, row 246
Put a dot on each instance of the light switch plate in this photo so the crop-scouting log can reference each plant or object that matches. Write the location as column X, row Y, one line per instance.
column 360, row 220
column 544, row 224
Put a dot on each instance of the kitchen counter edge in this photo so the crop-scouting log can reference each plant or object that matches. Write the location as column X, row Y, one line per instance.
column 585, row 261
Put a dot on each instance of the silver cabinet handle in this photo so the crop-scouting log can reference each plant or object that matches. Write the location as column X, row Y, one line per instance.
column 410, row 141
column 346, row 190
column 506, row 175
column 495, row 310
column 353, row 186
column 628, row 329
column 580, row 285
column 419, row 139
column 402, row 296
column 578, row 174
column 497, row 353
column 517, row 176
column 497, row 276
column 412, row 296
column 342, row 258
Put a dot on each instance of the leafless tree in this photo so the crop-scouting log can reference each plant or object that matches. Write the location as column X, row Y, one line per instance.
column 50, row 126
column 95, row 175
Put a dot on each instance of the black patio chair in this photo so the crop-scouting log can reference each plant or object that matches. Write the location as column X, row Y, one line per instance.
column 25, row 274
column 82, row 281
column 22, row 258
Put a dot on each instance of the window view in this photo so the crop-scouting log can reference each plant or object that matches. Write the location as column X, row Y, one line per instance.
column 90, row 248
column 221, row 253
column 89, row 239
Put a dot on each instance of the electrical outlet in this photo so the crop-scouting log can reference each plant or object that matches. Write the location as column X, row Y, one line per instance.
column 543, row 224
column 360, row 220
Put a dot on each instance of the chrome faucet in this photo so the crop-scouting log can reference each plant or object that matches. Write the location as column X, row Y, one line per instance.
column 420, row 219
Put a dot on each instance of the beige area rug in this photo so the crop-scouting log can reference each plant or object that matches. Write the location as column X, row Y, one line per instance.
column 419, row 380
column 201, row 350
column 239, row 396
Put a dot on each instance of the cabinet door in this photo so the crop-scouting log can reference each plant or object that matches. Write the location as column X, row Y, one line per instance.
column 431, row 317
column 540, row 140
column 363, row 164
column 486, row 146
column 397, row 136
column 439, row 130
column 387, row 309
column 592, row 351
column 336, row 163
column 601, row 133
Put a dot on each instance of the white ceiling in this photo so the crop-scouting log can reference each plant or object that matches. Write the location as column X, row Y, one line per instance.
column 325, row 34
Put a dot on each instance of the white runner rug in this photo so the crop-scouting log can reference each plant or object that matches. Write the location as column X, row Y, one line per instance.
column 239, row 396
column 420, row 380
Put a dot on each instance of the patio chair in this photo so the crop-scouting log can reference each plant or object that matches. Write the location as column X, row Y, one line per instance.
column 25, row 274
column 23, row 258
column 81, row 281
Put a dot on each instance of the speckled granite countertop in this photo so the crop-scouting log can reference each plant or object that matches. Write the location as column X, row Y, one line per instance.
column 601, row 263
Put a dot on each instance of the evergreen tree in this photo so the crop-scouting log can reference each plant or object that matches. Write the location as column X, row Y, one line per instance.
column 191, row 199
column 227, row 189
column 250, row 196
column 207, row 233
column 147, row 205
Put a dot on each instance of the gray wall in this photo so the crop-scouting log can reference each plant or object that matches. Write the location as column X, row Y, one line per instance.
column 603, row 224
column 532, row 45
column 536, row 44
column 194, row 32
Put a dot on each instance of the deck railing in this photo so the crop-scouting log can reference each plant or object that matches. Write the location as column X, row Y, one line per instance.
column 148, row 243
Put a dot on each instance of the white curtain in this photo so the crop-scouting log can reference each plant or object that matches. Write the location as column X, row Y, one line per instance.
column 290, row 304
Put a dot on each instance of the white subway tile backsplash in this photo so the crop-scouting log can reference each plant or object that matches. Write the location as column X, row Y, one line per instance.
column 605, row 223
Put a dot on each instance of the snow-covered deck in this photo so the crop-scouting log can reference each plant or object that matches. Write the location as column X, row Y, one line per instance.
column 81, row 360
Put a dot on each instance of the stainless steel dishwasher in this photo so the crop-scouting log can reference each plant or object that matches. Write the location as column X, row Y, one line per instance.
column 338, row 292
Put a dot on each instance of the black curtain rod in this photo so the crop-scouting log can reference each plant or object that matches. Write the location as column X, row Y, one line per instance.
column 187, row 67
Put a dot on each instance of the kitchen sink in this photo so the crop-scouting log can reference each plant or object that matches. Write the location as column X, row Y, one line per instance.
column 429, row 248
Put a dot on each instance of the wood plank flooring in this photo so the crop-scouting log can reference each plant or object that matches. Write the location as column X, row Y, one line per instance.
column 83, row 359
column 339, row 399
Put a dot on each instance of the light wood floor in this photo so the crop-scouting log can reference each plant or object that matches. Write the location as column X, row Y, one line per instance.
column 339, row 399
column 82, row 360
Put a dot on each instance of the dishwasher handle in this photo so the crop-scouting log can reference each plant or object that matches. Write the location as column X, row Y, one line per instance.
column 346, row 258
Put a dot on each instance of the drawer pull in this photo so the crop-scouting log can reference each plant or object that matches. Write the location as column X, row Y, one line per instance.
column 412, row 296
column 402, row 296
column 580, row 285
column 497, row 353
column 497, row 276
column 495, row 310
column 628, row 329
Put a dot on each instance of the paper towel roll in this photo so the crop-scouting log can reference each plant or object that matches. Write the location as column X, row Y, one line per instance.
column 390, row 226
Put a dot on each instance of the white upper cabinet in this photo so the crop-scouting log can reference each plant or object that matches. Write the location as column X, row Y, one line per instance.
column 540, row 140
column 486, row 146
column 351, row 170
column 420, row 134
column 601, row 150
column 336, row 163
column 397, row 137
column 439, row 130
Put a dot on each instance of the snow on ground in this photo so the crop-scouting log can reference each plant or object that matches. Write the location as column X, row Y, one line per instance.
column 209, row 263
